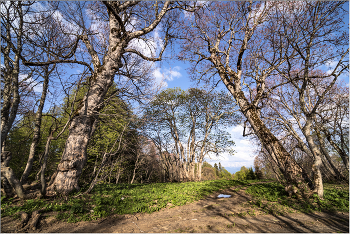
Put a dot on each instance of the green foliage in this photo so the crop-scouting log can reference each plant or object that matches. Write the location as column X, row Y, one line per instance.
column 209, row 172
column 251, row 175
column 274, row 193
column 224, row 174
column 216, row 169
column 115, row 115
column 121, row 199
column 239, row 176
column 336, row 197
column 20, row 139
column 269, row 191
column 245, row 174
column 107, row 199
column 193, row 114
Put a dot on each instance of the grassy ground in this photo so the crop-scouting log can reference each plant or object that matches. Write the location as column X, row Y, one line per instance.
column 272, row 198
column 107, row 199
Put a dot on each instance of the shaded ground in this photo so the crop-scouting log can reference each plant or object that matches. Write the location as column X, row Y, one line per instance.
column 208, row 215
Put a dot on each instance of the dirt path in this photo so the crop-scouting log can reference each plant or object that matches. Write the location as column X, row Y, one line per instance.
column 208, row 215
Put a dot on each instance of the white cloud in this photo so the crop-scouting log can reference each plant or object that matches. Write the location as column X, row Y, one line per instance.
column 33, row 84
column 147, row 48
column 238, row 129
column 244, row 156
column 159, row 78
column 331, row 65
column 37, row 6
column 130, row 26
column 245, row 151
column 187, row 14
column 157, row 73
column 245, row 142
column 167, row 74
column 157, row 39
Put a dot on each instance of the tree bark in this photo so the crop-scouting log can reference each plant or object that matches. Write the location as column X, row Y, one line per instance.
column 75, row 153
column 7, row 172
column 43, row 166
column 37, row 128
column 199, row 171
column 135, row 168
column 337, row 173
column 291, row 171
column 117, row 176
column 11, row 96
column 317, row 162
column 342, row 154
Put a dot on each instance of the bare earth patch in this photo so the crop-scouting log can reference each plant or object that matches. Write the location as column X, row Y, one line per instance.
column 212, row 214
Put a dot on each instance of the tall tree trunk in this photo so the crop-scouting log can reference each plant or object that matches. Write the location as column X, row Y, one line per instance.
column 199, row 171
column 342, row 154
column 11, row 96
column 117, row 175
column 192, row 169
column 291, row 171
column 81, row 129
column 338, row 175
column 317, row 162
column 7, row 172
column 43, row 166
column 135, row 168
column 37, row 127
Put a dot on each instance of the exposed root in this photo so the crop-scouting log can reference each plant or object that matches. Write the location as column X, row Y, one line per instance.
column 34, row 221
column 31, row 226
column 24, row 220
column 291, row 189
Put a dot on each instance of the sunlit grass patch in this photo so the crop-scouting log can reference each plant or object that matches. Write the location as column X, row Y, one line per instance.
column 272, row 198
column 107, row 199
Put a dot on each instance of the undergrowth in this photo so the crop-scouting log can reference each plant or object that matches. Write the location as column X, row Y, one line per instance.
column 106, row 199
column 272, row 198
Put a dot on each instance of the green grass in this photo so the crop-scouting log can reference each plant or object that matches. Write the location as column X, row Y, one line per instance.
column 272, row 198
column 106, row 199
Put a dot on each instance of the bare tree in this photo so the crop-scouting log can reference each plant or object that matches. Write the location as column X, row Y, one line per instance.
column 190, row 122
column 321, row 21
column 241, row 43
column 12, row 29
column 125, row 23
column 217, row 40
column 331, row 122
column 284, row 116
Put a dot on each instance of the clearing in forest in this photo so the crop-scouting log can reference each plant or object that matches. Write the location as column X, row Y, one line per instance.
column 183, row 207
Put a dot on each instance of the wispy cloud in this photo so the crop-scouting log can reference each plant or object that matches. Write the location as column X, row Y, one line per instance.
column 245, row 151
column 32, row 84
column 162, row 75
